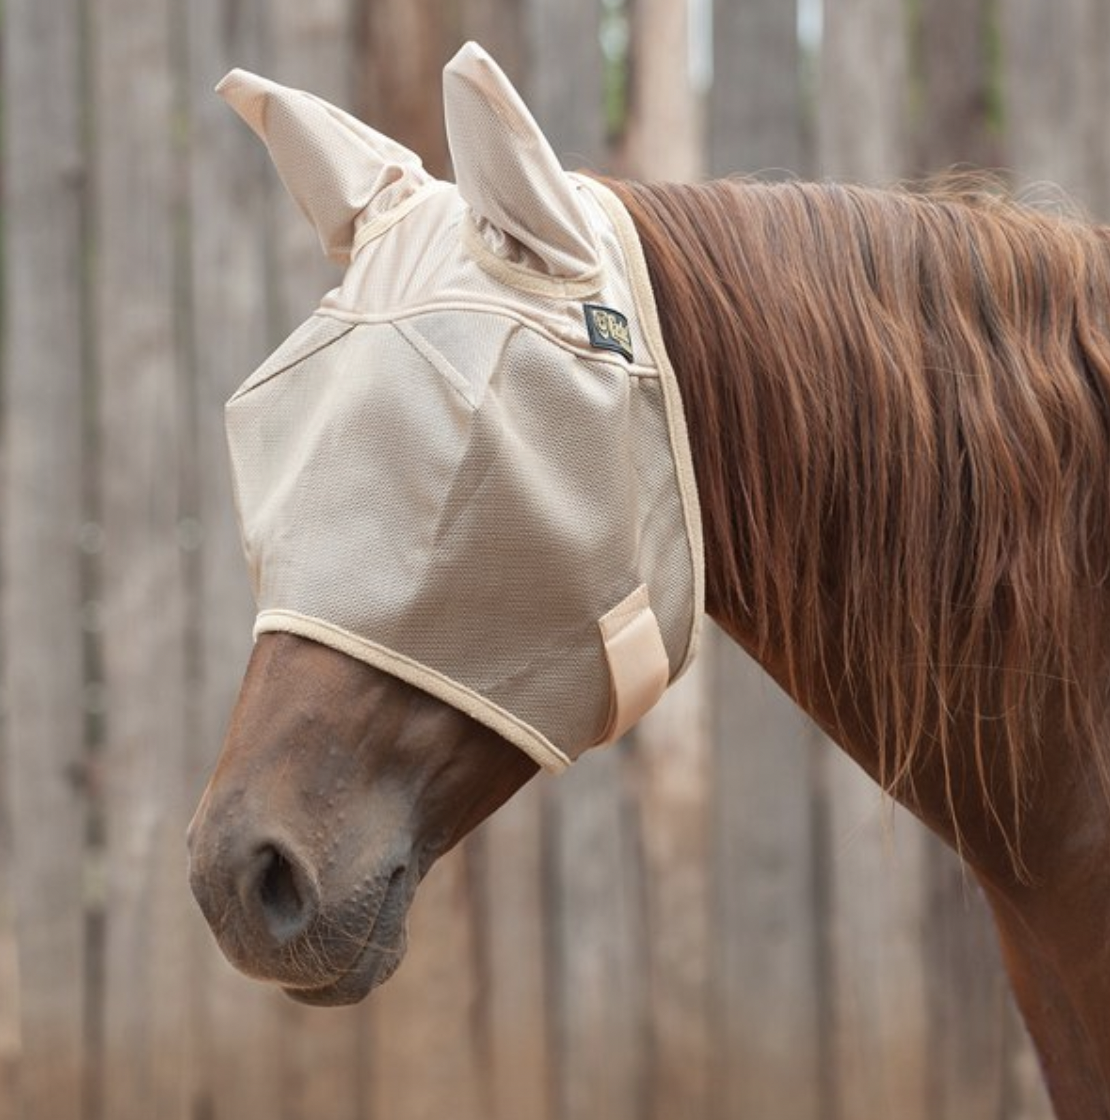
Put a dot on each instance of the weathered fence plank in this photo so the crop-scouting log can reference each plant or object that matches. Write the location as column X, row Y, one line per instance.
column 967, row 995
column 562, row 77
column 877, row 932
column 245, row 1053
column 598, row 943
column 957, row 116
column 310, row 46
column 504, row 29
column 863, row 78
column 1055, row 77
column 324, row 1071
column 9, row 977
column 673, row 757
column 141, row 386
column 239, row 1037
column 755, row 118
column 770, row 1019
column 45, row 357
column 771, row 1015
column 398, row 82
column 425, row 1055
column 661, row 99
column 515, row 1031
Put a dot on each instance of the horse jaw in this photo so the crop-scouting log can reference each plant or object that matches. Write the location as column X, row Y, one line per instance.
column 337, row 788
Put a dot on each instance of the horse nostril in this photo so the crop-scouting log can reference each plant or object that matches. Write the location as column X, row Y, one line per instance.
column 286, row 897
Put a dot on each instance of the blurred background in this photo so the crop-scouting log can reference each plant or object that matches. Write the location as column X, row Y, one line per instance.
column 717, row 919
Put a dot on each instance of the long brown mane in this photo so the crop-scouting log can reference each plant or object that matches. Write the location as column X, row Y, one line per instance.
column 900, row 412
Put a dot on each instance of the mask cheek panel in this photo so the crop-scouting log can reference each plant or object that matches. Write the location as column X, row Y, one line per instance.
column 341, row 462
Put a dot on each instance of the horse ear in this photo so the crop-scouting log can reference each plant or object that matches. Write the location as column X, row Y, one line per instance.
column 333, row 165
column 524, row 204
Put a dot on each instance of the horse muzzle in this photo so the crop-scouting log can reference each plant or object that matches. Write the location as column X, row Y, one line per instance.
column 280, row 913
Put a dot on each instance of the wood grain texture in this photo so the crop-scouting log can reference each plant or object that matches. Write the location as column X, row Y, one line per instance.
column 599, row 997
column 240, row 1037
column 308, row 46
column 45, row 361
column 878, row 985
column 664, row 135
column 423, row 1049
column 967, row 994
column 956, row 119
column 508, row 859
column 397, row 86
column 862, row 91
column 141, row 388
column 770, row 1018
column 562, row 79
column 673, row 759
column 755, row 120
column 1055, row 77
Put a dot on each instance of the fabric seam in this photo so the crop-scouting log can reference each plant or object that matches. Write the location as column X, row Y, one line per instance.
column 586, row 353
column 438, row 361
column 298, row 356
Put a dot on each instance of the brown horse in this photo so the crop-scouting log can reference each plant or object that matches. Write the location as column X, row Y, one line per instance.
column 898, row 408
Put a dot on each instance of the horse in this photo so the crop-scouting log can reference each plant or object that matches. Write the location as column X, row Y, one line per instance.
column 896, row 409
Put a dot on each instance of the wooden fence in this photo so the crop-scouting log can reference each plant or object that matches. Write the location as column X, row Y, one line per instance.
column 718, row 919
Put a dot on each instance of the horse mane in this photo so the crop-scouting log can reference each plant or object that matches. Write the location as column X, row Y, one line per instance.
column 899, row 405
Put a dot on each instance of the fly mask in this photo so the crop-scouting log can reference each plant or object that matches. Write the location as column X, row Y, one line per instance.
column 470, row 466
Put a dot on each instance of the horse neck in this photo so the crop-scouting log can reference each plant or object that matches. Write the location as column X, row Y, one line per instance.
column 724, row 396
column 737, row 330
column 833, row 452
column 1022, row 812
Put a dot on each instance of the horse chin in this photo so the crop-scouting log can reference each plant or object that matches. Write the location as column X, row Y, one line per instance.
column 376, row 965
column 384, row 949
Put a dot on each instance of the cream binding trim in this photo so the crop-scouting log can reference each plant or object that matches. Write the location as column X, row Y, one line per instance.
column 525, row 279
column 374, row 228
column 648, row 316
column 638, row 668
column 528, row 739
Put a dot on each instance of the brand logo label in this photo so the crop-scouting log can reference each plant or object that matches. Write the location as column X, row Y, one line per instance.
column 608, row 329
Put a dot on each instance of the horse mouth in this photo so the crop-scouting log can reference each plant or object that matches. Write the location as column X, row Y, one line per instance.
column 381, row 954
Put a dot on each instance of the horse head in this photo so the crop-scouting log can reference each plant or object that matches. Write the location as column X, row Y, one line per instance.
column 468, row 511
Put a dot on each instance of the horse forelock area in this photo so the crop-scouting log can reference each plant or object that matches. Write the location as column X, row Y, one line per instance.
column 899, row 406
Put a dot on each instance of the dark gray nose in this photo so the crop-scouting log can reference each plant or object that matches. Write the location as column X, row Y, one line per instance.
column 257, row 893
column 278, row 893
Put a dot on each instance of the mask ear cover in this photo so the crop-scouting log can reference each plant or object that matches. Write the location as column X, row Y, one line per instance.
column 523, row 204
column 339, row 171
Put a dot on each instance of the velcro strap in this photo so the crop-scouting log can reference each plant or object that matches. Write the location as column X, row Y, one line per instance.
column 638, row 667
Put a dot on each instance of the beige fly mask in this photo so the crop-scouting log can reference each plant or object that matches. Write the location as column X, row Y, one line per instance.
column 470, row 467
